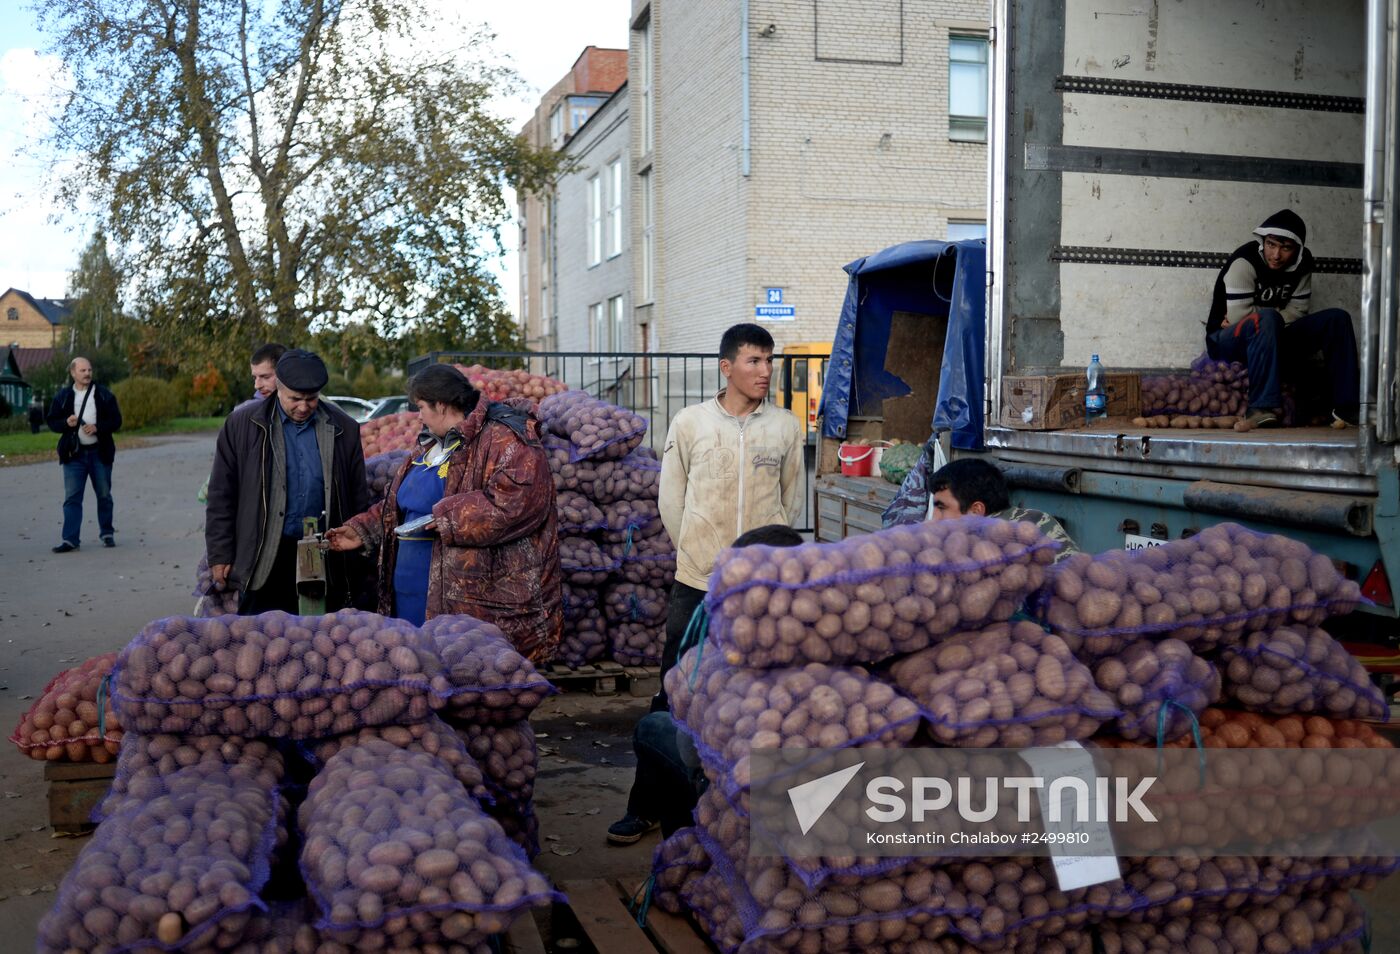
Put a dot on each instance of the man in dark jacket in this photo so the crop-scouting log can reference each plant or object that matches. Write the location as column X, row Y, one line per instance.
column 90, row 413
column 1261, row 315
column 276, row 462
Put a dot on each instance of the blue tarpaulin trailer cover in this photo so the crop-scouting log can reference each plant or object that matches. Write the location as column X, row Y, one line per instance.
column 932, row 278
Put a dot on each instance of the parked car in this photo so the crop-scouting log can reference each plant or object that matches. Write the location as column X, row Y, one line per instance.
column 358, row 408
column 391, row 405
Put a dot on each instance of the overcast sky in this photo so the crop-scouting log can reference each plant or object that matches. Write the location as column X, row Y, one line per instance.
column 541, row 37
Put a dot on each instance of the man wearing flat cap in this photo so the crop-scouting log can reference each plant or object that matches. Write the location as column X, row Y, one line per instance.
column 275, row 463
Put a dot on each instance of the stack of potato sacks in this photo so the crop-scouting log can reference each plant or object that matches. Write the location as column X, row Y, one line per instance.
column 905, row 638
column 319, row 784
column 618, row 561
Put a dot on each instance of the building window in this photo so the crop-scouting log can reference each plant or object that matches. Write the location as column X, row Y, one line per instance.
column 598, row 327
column 959, row 229
column 614, row 208
column 556, row 127
column 524, row 276
column 648, row 237
column 967, row 88
column 616, row 328
column 595, row 220
column 12, row 314
column 646, row 72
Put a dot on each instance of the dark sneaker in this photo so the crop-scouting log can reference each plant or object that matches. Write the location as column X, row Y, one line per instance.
column 630, row 830
column 1258, row 417
column 107, row 541
column 65, row 547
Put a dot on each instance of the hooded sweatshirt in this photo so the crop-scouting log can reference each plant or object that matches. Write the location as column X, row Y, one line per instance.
column 1247, row 283
column 723, row 475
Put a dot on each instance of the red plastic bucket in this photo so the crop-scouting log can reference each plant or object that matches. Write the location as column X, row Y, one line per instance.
column 857, row 460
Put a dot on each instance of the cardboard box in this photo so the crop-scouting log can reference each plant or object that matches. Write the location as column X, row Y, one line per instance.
column 1054, row 402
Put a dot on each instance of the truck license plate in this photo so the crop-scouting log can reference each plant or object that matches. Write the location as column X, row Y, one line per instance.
column 1132, row 541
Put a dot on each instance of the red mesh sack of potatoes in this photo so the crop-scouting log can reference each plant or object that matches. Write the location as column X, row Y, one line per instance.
column 501, row 385
column 392, row 432
column 73, row 719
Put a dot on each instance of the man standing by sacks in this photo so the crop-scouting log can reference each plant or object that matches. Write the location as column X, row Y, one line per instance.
column 276, row 462
column 730, row 465
column 87, row 415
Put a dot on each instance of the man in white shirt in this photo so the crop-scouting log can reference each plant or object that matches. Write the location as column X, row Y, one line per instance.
column 87, row 416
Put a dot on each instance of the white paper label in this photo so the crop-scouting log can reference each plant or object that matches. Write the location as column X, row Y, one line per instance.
column 1131, row 541
column 1070, row 759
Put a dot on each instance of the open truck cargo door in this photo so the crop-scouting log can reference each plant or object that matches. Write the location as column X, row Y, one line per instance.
column 1382, row 274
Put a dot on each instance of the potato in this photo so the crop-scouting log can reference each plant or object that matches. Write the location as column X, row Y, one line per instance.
column 596, row 429
column 393, row 432
column 433, row 737
column 634, row 603
column 490, row 682
column 578, row 602
column 1300, row 669
column 1008, row 685
column 436, row 851
column 1211, row 388
column 380, row 471
column 1208, row 590
column 628, row 520
column 634, row 477
column 65, row 725
column 676, row 863
column 873, row 596
column 213, row 601
column 513, row 384
column 182, row 868
column 277, row 675
column 1151, row 674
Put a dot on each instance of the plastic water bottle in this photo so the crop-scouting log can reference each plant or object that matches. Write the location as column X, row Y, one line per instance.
column 1095, row 401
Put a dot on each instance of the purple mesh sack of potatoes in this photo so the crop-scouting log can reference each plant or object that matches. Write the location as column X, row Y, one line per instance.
column 633, row 603
column 1303, row 670
column 596, row 429
column 650, row 561
column 577, row 514
column 626, row 521
column 585, row 563
column 866, row 598
column 146, row 761
column 276, row 675
column 578, row 602
column 585, row 639
column 489, row 681
column 1161, row 686
column 178, row 871
column 1208, row 590
column 1010, row 685
column 637, row 644
column 380, row 471
column 213, row 601
column 432, row 737
column 398, row 855
column 634, row 477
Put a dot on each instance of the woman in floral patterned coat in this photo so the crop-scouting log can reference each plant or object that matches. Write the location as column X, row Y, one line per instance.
column 490, row 548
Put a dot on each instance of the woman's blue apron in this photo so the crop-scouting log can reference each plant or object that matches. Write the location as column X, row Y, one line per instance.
column 422, row 487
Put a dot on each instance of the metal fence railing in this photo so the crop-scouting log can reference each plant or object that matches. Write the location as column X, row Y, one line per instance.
column 658, row 385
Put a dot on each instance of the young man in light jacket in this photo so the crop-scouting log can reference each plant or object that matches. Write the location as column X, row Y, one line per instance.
column 730, row 465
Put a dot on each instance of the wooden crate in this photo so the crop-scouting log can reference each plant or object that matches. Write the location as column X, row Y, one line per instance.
column 605, row 678
column 847, row 506
column 75, row 788
column 1052, row 402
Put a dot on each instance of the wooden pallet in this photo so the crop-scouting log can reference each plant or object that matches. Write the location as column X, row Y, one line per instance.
column 605, row 678
column 75, row 788
column 599, row 911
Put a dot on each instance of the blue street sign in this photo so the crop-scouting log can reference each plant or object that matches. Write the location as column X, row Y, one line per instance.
column 775, row 296
column 775, row 312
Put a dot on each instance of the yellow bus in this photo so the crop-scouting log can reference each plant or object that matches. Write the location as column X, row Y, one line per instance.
column 800, row 383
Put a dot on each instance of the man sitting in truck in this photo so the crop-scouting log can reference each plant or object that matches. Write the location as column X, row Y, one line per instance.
column 971, row 487
column 1260, row 316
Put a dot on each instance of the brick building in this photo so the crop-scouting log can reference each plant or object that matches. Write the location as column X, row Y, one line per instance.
column 33, row 322
column 768, row 154
column 562, row 114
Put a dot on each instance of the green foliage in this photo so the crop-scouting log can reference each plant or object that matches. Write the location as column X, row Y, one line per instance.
column 270, row 170
column 98, row 322
column 145, row 401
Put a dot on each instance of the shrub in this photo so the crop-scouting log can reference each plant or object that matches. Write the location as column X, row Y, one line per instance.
column 145, row 401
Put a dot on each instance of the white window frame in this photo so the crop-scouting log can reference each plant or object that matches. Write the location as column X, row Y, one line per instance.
column 646, row 69
column 614, row 230
column 648, row 259
column 968, row 128
column 556, row 125
column 597, row 327
column 617, row 323
column 966, row 224
column 595, row 220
